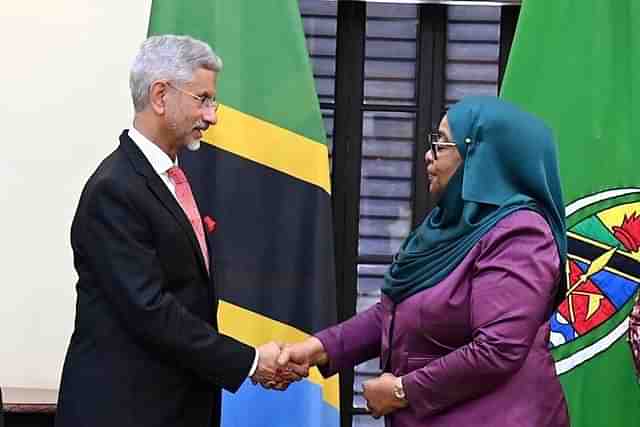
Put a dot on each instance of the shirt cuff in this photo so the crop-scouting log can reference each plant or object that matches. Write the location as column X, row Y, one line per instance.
column 254, row 366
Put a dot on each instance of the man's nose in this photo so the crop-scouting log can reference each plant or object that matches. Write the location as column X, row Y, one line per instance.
column 210, row 115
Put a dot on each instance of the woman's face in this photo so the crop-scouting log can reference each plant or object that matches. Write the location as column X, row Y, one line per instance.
column 442, row 164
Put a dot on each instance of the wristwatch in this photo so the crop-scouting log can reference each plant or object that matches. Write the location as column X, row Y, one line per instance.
column 398, row 390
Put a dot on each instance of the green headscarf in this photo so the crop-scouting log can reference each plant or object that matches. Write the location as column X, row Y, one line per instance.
column 508, row 163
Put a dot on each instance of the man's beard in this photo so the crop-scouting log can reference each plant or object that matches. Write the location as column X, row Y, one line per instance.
column 194, row 144
column 189, row 142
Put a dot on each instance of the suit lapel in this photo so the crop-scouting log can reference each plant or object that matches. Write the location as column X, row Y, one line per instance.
column 161, row 192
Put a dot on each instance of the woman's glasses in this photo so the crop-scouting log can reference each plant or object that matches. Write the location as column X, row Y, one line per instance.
column 438, row 142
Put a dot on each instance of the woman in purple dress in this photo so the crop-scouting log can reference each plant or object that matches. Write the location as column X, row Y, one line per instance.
column 462, row 326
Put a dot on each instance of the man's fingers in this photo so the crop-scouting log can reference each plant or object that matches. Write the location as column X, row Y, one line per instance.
column 284, row 357
column 301, row 370
column 288, row 376
column 281, row 386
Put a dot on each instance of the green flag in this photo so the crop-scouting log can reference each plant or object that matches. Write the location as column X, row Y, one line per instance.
column 575, row 63
column 264, row 177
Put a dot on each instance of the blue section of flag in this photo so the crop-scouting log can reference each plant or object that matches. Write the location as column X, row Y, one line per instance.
column 618, row 289
column 565, row 329
column 301, row 404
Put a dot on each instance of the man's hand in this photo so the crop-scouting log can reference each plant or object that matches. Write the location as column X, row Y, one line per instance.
column 267, row 369
column 269, row 373
column 379, row 394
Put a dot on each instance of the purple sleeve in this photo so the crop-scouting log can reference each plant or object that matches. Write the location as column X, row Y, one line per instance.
column 513, row 285
column 352, row 341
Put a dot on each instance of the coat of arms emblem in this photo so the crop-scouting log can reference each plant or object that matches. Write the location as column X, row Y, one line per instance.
column 603, row 277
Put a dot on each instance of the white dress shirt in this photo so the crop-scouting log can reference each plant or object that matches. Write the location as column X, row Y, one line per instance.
column 161, row 163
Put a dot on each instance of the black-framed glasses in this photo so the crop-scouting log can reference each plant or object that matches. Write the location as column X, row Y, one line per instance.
column 205, row 101
column 438, row 142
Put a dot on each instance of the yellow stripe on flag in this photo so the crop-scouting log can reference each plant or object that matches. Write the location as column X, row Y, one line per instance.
column 254, row 329
column 615, row 216
column 271, row 146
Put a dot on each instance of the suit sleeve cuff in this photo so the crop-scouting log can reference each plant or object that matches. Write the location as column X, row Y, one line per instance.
column 254, row 366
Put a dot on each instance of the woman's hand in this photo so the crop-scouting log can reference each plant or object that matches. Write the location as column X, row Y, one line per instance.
column 381, row 399
column 302, row 355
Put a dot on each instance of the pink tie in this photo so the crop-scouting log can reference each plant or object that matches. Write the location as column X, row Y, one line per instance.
column 188, row 204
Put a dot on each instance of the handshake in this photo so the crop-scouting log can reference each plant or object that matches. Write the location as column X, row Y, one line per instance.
column 279, row 365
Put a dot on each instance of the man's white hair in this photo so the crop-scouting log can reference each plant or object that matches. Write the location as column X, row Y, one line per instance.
column 168, row 57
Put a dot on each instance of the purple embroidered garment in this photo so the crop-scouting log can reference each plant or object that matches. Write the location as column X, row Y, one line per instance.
column 473, row 350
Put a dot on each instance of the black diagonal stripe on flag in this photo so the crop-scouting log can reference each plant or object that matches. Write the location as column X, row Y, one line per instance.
column 270, row 247
column 588, row 251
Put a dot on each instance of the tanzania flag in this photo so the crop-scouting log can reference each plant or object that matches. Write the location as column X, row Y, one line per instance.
column 575, row 63
column 264, row 178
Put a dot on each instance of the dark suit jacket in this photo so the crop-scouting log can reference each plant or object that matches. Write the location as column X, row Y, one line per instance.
column 145, row 350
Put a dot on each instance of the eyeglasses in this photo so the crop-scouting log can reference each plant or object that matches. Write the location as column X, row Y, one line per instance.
column 205, row 101
column 438, row 142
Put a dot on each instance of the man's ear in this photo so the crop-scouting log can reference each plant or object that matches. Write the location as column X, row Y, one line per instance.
column 157, row 96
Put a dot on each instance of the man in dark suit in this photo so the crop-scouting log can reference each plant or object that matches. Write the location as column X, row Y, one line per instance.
column 146, row 350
